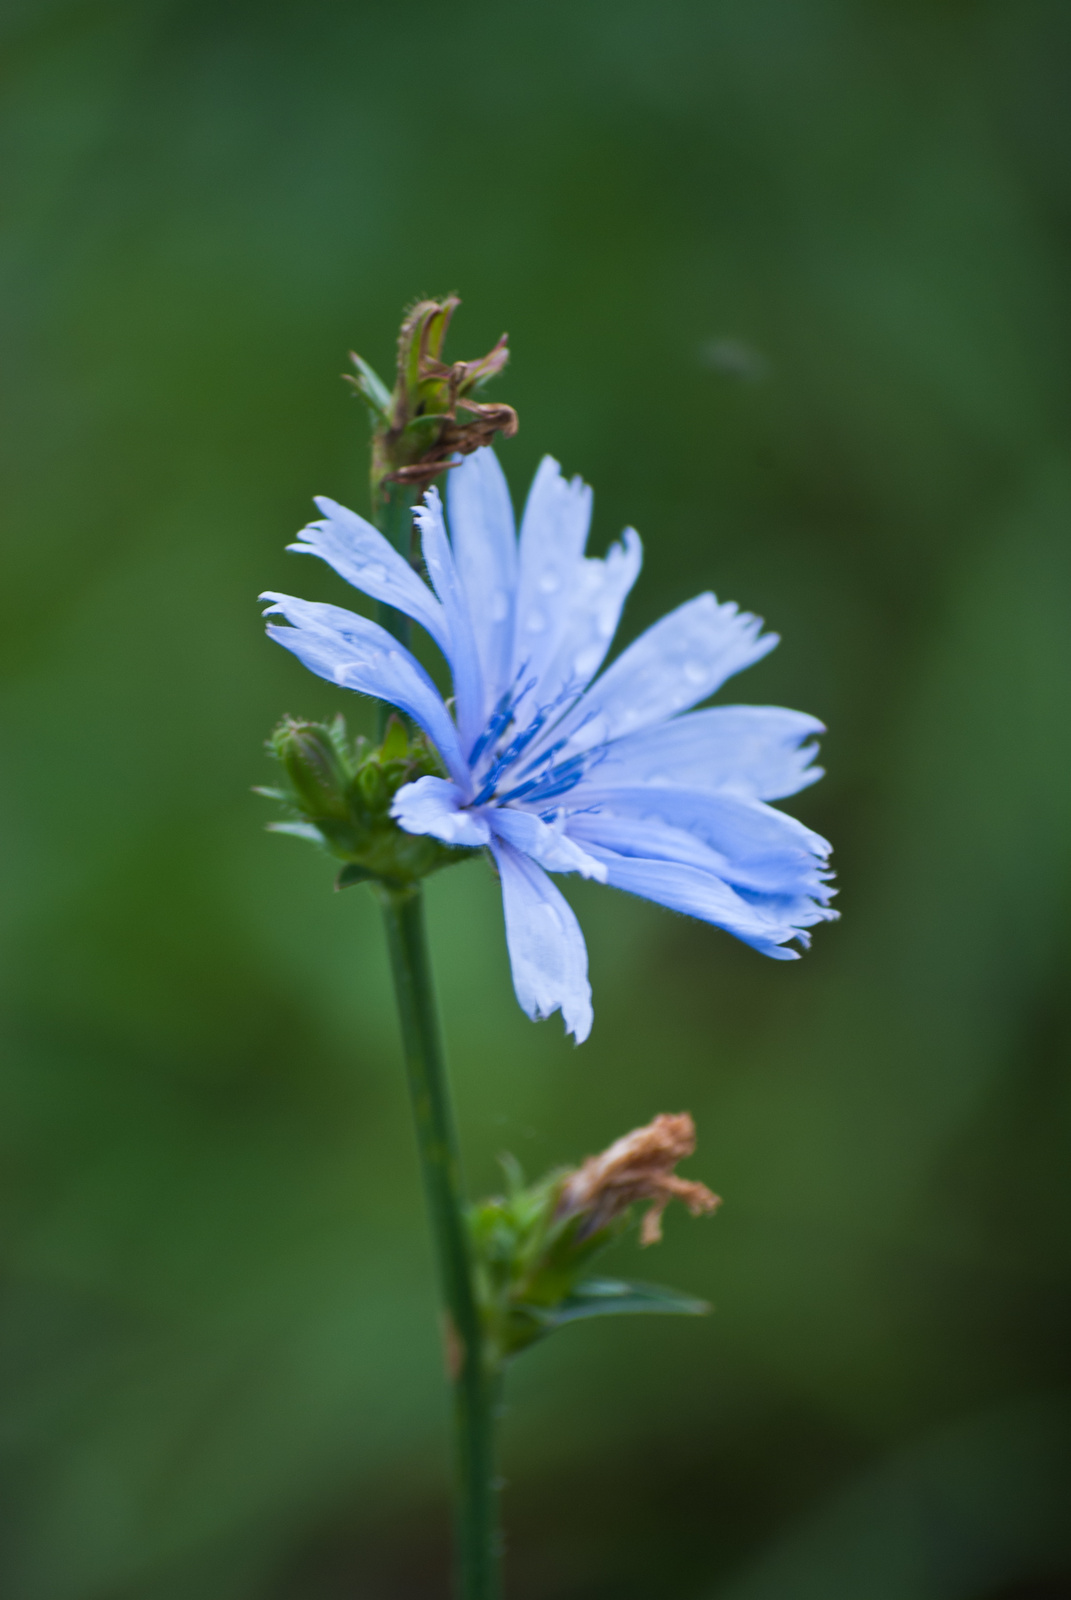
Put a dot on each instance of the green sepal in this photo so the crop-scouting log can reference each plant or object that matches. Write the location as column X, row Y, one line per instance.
column 298, row 830
column 614, row 1297
column 395, row 746
column 371, row 388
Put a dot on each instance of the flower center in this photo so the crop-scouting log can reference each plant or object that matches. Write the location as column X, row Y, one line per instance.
column 543, row 777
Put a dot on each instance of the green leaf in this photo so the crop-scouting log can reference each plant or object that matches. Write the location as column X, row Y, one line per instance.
column 352, row 874
column 610, row 1297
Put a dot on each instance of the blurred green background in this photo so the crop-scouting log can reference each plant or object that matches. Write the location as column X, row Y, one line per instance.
column 787, row 281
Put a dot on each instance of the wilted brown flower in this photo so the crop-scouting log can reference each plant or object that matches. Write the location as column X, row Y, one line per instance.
column 417, row 429
column 638, row 1166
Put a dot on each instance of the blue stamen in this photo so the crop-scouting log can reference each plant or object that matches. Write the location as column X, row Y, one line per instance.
column 547, row 755
column 557, row 781
column 501, row 716
column 536, row 726
column 499, row 721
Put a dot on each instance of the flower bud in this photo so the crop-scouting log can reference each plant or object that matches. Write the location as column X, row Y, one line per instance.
column 314, row 759
column 340, row 796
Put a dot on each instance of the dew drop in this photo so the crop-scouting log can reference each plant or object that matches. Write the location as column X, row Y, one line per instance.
column 535, row 622
column 695, row 672
column 549, row 582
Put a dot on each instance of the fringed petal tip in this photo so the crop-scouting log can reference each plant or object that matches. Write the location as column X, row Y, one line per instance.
column 800, row 932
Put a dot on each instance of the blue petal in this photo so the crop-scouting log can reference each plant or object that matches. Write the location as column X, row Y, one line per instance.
column 568, row 607
column 361, row 555
column 756, row 751
column 485, row 550
column 546, row 844
column 755, row 846
column 358, row 654
column 587, row 620
column 675, row 664
column 647, row 836
column 765, row 924
column 469, row 695
column 546, row 946
column 554, row 531
column 431, row 805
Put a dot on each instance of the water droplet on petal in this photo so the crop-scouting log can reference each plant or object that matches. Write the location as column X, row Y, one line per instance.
column 695, row 672
column 549, row 582
column 535, row 622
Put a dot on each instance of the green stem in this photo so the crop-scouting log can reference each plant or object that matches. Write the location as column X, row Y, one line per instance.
column 474, row 1380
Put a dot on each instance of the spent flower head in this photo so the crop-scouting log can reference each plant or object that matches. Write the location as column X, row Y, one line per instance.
column 417, row 431
column 532, row 1245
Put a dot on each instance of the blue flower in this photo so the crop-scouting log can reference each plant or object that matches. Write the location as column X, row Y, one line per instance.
column 555, row 772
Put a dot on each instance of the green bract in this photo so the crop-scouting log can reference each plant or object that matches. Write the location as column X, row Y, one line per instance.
column 340, row 794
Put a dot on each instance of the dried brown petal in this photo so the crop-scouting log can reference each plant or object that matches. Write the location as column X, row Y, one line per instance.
column 638, row 1166
column 458, row 439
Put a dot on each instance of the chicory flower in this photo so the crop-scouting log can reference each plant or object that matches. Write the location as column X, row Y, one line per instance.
column 552, row 766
